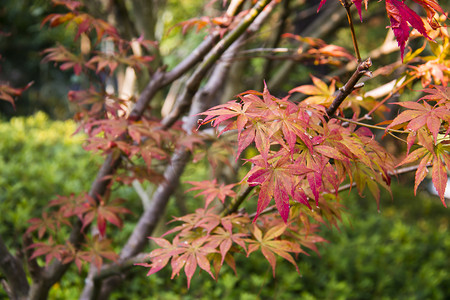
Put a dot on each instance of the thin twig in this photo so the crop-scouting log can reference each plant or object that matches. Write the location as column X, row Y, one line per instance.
column 369, row 125
column 347, row 6
column 234, row 205
column 361, row 70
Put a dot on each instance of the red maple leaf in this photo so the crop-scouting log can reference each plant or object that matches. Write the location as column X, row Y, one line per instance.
column 439, row 93
column 420, row 115
column 431, row 7
column 72, row 5
column 224, row 239
column 104, row 212
column 99, row 249
column 50, row 249
column 277, row 180
column 400, row 16
column 356, row 2
column 72, row 254
column 183, row 254
column 429, row 154
column 69, row 60
column 8, row 93
column 211, row 190
column 41, row 225
column 202, row 218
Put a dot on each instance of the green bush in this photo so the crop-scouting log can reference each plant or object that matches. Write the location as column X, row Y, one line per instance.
column 39, row 159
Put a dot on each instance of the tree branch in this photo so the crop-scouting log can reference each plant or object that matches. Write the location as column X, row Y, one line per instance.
column 234, row 205
column 160, row 78
column 151, row 216
column 327, row 21
column 193, row 83
column 361, row 70
column 12, row 269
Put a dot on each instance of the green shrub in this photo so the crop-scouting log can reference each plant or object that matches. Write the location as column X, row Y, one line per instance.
column 39, row 159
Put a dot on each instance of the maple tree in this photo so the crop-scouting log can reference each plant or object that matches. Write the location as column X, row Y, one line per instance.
column 300, row 150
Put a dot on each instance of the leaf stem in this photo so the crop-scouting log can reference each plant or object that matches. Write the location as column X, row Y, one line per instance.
column 347, row 6
column 369, row 125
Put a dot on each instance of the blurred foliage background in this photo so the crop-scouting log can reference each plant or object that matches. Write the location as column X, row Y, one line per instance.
column 400, row 252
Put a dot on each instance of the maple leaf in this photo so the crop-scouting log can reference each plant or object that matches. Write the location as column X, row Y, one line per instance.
column 161, row 256
column 431, row 153
column 202, row 218
column 89, row 99
column 99, row 249
column 439, row 177
column 247, row 130
column 325, row 54
column 319, row 93
column 183, row 254
column 400, row 16
column 135, row 61
column 277, row 180
column 8, row 93
column 271, row 244
column 100, row 62
column 84, row 22
column 263, row 121
column 438, row 93
column 431, row 7
column 68, row 205
column 356, row 2
column 211, row 190
column 41, row 225
column 224, row 239
column 432, row 69
column 195, row 22
column 79, row 257
column 69, row 60
column 424, row 153
column 420, row 115
column 104, row 212
column 319, row 50
column 364, row 176
column 51, row 250
column 70, row 4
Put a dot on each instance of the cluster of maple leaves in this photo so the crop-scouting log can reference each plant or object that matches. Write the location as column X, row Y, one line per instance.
column 303, row 156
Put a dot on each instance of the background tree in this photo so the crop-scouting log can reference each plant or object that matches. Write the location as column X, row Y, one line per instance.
column 301, row 150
